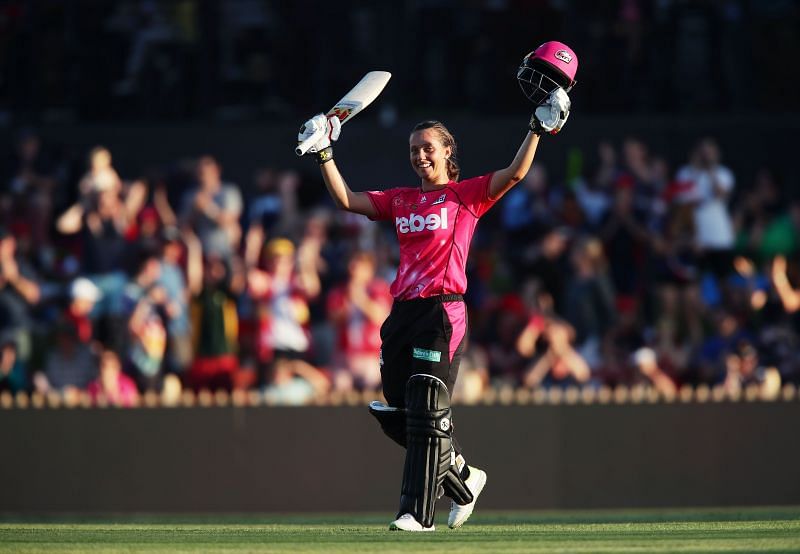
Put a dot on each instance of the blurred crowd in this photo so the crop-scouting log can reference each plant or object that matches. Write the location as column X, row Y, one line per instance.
column 631, row 272
column 244, row 59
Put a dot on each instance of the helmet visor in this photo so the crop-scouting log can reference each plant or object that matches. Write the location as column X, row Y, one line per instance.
column 538, row 80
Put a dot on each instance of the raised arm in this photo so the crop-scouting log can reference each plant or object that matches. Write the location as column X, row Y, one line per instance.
column 162, row 205
column 345, row 198
column 505, row 178
column 10, row 274
column 135, row 199
column 790, row 298
column 549, row 118
column 71, row 221
column 194, row 262
column 308, row 261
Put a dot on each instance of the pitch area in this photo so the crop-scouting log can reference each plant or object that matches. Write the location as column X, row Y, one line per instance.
column 706, row 530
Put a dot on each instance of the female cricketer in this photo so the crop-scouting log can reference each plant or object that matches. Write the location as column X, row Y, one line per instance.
column 423, row 337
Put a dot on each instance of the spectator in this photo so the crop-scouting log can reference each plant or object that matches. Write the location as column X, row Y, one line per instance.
column 594, row 194
column 357, row 309
column 747, row 288
column 540, row 309
column 294, row 384
column 30, row 185
column 728, row 332
column 589, row 304
column 676, row 271
column 626, row 239
column 763, row 226
column 146, row 304
column 507, row 321
column 321, row 264
column 711, row 185
column 19, row 293
column 101, row 175
column 473, row 376
column 213, row 210
column 620, row 341
column 743, row 369
column 104, row 217
column 112, row 386
column 173, row 281
column 12, row 374
column 147, row 229
column 651, row 373
column 214, row 284
column 70, row 366
column 83, row 297
column 608, row 170
column 281, row 292
column 550, row 262
column 271, row 211
column 528, row 210
column 638, row 173
column 560, row 364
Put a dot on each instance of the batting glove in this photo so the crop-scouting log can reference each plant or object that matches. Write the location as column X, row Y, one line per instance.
column 551, row 116
column 329, row 127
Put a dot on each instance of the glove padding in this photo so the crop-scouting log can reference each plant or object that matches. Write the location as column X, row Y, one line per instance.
column 331, row 125
column 551, row 116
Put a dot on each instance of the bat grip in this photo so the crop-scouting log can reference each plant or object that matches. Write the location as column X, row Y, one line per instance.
column 303, row 147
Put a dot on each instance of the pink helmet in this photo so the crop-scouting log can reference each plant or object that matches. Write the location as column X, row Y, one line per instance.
column 552, row 65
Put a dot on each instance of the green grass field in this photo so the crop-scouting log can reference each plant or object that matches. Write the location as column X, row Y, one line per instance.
column 722, row 530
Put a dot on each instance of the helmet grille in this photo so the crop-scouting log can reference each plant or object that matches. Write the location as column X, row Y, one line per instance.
column 538, row 80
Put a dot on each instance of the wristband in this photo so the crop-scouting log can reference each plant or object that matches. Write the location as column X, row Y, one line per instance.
column 325, row 155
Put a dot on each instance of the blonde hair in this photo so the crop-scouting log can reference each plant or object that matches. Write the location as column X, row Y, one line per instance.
column 446, row 137
column 279, row 247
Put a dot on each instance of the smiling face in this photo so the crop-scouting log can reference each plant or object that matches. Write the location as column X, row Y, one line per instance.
column 429, row 156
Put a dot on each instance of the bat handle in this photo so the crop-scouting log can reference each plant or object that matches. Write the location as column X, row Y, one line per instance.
column 303, row 147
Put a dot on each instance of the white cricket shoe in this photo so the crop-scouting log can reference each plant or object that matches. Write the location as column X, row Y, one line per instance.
column 408, row 522
column 460, row 514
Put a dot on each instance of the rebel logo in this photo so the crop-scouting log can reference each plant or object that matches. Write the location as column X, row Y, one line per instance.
column 415, row 223
column 564, row 56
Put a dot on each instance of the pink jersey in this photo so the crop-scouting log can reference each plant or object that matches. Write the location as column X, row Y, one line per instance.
column 434, row 230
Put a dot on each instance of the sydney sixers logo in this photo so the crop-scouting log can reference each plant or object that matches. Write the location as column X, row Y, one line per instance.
column 564, row 56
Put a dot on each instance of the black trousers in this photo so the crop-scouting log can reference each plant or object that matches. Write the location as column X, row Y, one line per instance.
column 425, row 335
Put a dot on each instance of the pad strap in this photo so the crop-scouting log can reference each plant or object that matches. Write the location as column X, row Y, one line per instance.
column 393, row 424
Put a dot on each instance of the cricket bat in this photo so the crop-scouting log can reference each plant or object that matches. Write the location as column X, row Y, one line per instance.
column 359, row 97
